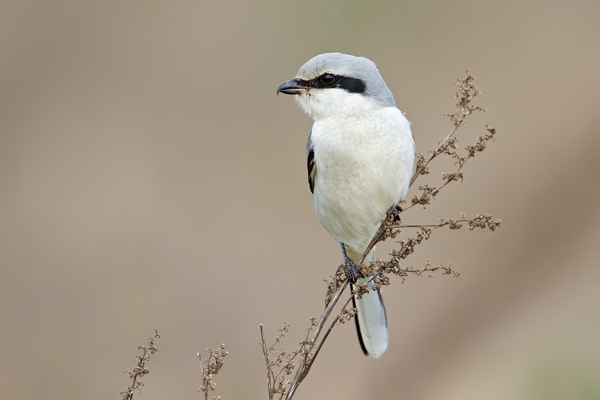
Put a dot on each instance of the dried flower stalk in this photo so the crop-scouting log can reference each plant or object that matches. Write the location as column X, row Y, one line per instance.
column 140, row 370
column 212, row 366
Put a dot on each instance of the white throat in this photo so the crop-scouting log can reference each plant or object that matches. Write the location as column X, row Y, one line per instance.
column 335, row 103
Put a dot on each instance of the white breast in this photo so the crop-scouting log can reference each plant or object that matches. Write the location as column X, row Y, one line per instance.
column 364, row 165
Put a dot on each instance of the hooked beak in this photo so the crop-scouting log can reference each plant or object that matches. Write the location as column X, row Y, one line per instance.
column 294, row 86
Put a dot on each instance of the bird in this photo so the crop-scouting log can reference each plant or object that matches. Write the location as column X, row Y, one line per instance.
column 360, row 159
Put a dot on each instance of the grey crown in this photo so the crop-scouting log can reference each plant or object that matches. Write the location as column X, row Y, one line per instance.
column 353, row 67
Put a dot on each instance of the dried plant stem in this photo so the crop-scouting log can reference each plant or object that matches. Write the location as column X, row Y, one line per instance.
column 335, row 321
column 327, row 312
column 212, row 366
column 422, row 167
column 308, row 359
column 204, row 392
column 140, row 370
column 270, row 377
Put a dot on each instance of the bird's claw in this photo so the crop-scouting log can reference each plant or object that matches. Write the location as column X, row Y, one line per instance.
column 353, row 272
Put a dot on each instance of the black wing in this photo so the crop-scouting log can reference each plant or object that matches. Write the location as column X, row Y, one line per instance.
column 310, row 164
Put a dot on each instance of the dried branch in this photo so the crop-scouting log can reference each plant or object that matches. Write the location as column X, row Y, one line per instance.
column 270, row 377
column 212, row 366
column 140, row 370
column 465, row 94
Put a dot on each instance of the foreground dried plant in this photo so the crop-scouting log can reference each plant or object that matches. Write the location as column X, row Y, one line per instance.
column 287, row 370
column 140, row 369
column 212, row 366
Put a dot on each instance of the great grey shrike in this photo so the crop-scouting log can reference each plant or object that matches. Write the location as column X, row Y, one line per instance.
column 360, row 156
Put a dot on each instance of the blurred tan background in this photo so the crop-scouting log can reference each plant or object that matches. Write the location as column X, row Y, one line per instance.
column 150, row 178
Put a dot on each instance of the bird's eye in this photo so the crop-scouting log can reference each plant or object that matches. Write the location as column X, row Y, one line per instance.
column 327, row 79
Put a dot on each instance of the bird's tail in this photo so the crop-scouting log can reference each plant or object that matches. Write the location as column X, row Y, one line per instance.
column 371, row 321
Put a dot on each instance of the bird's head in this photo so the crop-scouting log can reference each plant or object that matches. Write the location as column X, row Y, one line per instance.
column 334, row 84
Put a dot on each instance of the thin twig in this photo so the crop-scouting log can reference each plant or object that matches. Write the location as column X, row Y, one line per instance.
column 140, row 370
column 266, row 354
column 306, row 364
column 433, row 155
column 335, row 321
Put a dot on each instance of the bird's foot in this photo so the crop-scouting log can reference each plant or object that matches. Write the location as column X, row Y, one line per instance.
column 353, row 272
